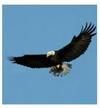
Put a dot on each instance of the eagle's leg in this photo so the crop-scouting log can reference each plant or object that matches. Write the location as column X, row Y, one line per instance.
column 56, row 70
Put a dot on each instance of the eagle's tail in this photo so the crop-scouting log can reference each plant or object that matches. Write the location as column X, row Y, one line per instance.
column 66, row 68
column 61, row 69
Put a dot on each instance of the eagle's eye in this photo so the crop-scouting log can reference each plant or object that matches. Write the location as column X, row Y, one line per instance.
column 50, row 53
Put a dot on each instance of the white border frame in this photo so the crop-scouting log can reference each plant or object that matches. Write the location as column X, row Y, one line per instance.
column 49, row 2
column 53, row 2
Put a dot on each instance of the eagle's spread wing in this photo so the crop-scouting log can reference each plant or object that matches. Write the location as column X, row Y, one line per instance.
column 33, row 61
column 74, row 49
column 78, row 45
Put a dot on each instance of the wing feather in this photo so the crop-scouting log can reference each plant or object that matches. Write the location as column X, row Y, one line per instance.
column 33, row 61
column 78, row 45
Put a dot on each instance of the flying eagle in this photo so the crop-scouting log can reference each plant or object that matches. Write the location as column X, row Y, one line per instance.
column 56, row 59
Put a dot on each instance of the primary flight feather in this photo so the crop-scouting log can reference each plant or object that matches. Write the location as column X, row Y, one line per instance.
column 55, row 59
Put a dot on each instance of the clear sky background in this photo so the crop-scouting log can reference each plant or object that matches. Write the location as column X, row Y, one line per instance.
column 38, row 29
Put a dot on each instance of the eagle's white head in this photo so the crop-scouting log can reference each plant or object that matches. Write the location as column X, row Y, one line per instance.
column 50, row 53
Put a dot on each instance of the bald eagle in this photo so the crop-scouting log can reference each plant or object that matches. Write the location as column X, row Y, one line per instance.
column 55, row 60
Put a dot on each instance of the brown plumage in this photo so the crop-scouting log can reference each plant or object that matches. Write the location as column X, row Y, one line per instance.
column 73, row 50
column 78, row 45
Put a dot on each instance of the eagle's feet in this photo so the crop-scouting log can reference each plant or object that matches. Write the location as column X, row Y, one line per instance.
column 55, row 73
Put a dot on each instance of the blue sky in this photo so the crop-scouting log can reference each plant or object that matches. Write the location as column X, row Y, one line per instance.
column 38, row 29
